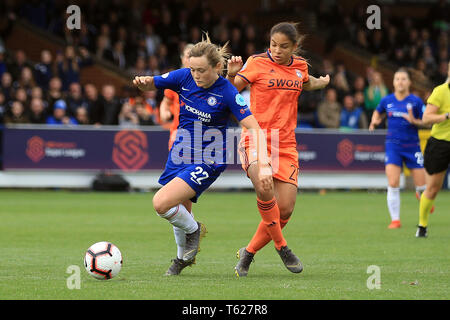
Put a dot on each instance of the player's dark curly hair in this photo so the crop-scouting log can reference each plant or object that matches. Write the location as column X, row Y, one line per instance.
column 290, row 30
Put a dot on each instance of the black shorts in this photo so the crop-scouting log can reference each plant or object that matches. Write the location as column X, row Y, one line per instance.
column 436, row 156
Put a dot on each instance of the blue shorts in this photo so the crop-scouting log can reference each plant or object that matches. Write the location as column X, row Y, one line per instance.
column 198, row 176
column 398, row 154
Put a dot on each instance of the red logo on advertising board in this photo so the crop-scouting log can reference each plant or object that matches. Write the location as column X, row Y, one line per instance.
column 345, row 152
column 35, row 148
column 130, row 150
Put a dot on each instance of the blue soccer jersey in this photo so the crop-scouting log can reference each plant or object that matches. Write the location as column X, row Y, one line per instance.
column 399, row 130
column 198, row 155
column 402, row 139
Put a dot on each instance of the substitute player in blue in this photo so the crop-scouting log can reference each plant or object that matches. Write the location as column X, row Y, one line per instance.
column 404, row 112
column 195, row 162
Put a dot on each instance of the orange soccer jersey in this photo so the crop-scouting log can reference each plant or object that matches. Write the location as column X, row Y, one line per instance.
column 175, row 110
column 274, row 92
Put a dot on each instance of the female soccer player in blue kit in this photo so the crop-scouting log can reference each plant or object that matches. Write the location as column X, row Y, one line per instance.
column 206, row 102
column 404, row 112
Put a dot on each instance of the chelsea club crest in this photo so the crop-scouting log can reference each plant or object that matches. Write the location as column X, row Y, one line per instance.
column 212, row 101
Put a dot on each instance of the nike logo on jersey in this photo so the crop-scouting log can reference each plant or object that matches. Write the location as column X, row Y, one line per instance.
column 183, row 88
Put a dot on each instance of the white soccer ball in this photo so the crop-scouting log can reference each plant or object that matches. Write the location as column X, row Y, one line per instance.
column 103, row 260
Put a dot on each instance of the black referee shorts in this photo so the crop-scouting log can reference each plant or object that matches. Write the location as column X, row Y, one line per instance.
column 436, row 155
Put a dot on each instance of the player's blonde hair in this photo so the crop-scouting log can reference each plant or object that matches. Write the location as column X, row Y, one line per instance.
column 214, row 54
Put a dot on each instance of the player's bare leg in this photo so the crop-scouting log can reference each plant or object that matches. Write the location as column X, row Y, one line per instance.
column 168, row 203
column 270, row 213
column 434, row 185
column 418, row 176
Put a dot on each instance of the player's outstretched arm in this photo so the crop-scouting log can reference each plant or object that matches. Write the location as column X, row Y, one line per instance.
column 145, row 83
column 316, row 83
column 376, row 120
column 257, row 134
column 164, row 109
column 234, row 65
column 431, row 116
column 414, row 121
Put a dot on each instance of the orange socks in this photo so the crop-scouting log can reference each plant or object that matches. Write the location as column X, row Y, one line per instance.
column 269, row 228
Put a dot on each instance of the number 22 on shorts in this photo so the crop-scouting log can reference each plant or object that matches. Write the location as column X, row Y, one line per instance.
column 198, row 175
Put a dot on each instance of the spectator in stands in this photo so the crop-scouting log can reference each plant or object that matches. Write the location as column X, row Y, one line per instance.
column 54, row 93
column 17, row 114
column 153, row 66
column 69, row 65
column 329, row 110
column 429, row 59
column 420, row 72
column 43, row 71
column 118, row 55
column 26, row 80
column 6, row 86
column 358, row 97
column 92, row 103
column 59, row 116
column 103, row 50
column 374, row 92
column 163, row 58
column 109, row 105
column 352, row 116
column 22, row 96
column 377, row 43
column 359, row 84
column 37, row 93
column 150, row 101
column 18, row 63
column 399, row 56
column 236, row 42
column 74, row 98
column 37, row 111
column 340, row 81
column 145, row 118
column 307, row 108
column 82, row 116
column 152, row 40
column 139, row 68
column 361, row 39
column 128, row 116
column 441, row 75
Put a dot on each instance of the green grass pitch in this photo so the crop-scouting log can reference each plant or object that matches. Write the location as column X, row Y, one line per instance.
column 337, row 235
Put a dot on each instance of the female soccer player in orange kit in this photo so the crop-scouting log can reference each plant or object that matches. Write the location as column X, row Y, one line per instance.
column 277, row 77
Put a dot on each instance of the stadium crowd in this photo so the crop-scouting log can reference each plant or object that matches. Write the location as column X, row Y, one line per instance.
column 145, row 38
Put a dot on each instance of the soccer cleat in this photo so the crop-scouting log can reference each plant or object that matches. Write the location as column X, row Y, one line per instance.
column 290, row 260
column 245, row 258
column 395, row 224
column 421, row 232
column 177, row 266
column 418, row 195
column 192, row 246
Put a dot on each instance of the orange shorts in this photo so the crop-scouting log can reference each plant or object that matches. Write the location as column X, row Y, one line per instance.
column 284, row 161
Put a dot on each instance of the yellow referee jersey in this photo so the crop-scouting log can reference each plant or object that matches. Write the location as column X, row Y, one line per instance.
column 440, row 97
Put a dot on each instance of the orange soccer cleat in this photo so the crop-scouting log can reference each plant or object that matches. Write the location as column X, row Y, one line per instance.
column 395, row 224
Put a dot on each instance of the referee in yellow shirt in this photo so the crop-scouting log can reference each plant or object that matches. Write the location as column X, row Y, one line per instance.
column 437, row 151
